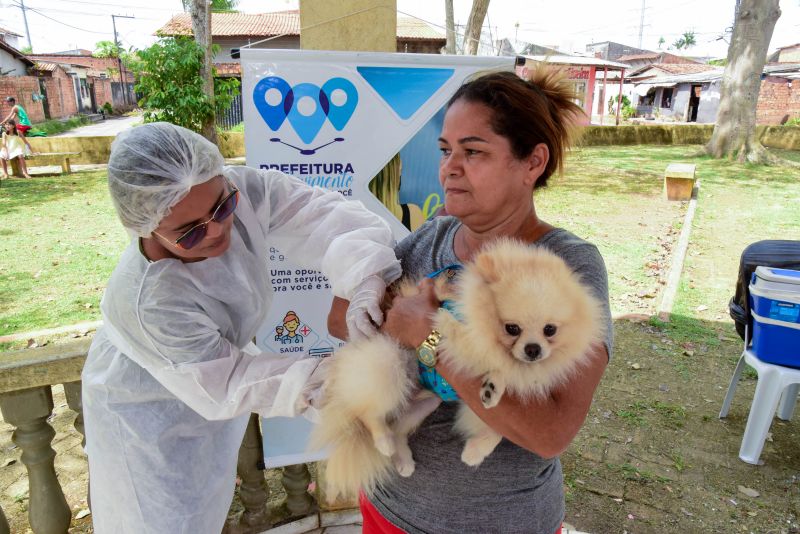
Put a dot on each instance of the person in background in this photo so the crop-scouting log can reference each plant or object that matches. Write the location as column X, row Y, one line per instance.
column 172, row 376
column 13, row 147
column 19, row 115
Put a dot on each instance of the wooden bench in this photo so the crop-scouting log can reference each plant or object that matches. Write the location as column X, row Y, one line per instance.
column 46, row 158
column 679, row 181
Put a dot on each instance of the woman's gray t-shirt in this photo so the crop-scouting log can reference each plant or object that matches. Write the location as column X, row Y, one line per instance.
column 513, row 490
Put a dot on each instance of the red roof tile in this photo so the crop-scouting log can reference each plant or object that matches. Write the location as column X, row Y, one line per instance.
column 238, row 24
column 682, row 68
column 634, row 57
column 44, row 66
column 280, row 23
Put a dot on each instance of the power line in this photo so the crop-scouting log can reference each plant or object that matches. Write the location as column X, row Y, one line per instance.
column 85, row 13
column 129, row 6
column 58, row 21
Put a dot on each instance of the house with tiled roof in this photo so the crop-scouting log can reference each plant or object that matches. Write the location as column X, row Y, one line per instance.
column 786, row 54
column 232, row 31
column 611, row 51
column 12, row 61
column 649, row 58
column 691, row 92
column 97, row 79
column 10, row 37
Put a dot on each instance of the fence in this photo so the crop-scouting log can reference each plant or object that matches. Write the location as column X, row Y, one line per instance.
column 232, row 116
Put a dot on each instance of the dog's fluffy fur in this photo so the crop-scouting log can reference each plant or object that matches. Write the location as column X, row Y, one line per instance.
column 527, row 325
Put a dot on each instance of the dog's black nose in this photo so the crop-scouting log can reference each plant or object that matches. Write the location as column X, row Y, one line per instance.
column 533, row 351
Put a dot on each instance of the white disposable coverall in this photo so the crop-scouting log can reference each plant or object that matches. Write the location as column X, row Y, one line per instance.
column 167, row 388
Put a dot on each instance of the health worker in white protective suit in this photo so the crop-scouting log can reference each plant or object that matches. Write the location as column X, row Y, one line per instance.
column 168, row 385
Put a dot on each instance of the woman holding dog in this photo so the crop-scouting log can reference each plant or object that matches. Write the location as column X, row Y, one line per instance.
column 502, row 138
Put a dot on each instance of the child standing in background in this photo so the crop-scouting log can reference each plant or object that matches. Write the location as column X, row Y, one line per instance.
column 18, row 114
column 13, row 147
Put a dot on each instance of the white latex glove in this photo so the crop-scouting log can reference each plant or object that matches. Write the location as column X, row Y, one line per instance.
column 364, row 314
column 310, row 398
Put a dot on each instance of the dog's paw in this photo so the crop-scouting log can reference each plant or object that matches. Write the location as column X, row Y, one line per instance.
column 404, row 466
column 490, row 396
column 385, row 445
column 472, row 454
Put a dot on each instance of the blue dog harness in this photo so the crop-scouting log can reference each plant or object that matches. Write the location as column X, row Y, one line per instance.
column 428, row 376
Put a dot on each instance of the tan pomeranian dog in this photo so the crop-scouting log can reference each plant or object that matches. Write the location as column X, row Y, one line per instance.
column 525, row 325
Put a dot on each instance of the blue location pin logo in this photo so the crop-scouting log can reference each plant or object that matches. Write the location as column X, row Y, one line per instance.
column 273, row 115
column 308, row 126
column 340, row 114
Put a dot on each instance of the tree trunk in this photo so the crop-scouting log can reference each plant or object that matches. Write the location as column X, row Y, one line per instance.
column 450, row 46
column 201, row 26
column 734, row 133
column 472, row 33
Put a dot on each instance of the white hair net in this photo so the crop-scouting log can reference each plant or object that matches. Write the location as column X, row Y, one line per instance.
column 152, row 167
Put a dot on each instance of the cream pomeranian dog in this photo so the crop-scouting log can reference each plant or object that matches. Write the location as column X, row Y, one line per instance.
column 525, row 324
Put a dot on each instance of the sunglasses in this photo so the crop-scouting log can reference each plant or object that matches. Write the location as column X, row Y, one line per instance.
column 196, row 233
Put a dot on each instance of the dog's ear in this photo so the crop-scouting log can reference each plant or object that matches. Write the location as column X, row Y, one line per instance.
column 486, row 268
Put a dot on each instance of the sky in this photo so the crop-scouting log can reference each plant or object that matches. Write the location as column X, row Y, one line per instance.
column 568, row 24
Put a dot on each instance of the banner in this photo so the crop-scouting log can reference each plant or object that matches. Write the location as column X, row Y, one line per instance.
column 364, row 124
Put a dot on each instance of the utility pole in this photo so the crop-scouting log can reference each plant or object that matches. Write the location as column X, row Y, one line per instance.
column 119, row 58
column 641, row 25
column 25, row 18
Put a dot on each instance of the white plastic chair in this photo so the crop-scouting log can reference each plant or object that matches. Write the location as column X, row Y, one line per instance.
column 776, row 391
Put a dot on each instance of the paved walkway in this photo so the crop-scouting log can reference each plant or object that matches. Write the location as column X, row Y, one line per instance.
column 110, row 126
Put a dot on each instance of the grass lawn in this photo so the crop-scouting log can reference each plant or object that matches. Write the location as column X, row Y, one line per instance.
column 60, row 242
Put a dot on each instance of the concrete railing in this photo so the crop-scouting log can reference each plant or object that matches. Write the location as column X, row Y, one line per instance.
column 26, row 402
column 97, row 149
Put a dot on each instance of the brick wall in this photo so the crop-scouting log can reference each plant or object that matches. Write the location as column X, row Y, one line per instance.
column 777, row 101
column 61, row 97
column 22, row 88
column 102, row 92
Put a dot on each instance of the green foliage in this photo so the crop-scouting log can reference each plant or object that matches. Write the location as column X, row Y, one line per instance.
column 685, row 41
column 171, row 89
column 794, row 121
column 614, row 99
column 718, row 62
column 26, row 50
column 105, row 49
column 107, row 108
column 216, row 5
column 627, row 111
column 53, row 127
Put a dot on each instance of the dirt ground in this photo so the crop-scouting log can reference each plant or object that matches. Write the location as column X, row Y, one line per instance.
column 653, row 455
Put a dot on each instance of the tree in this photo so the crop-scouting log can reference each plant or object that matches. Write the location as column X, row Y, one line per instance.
column 217, row 6
column 472, row 33
column 450, row 43
column 661, row 42
column 167, row 78
column 687, row 40
column 734, row 131
column 105, row 49
column 201, row 27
